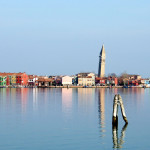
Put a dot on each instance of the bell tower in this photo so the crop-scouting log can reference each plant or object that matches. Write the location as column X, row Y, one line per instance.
column 102, row 57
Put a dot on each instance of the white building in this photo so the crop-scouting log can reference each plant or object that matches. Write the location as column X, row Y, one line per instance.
column 32, row 80
column 86, row 79
column 66, row 80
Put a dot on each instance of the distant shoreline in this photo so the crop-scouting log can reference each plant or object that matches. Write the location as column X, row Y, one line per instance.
column 79, row 87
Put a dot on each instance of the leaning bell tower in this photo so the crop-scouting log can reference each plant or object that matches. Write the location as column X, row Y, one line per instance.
column 101, row 68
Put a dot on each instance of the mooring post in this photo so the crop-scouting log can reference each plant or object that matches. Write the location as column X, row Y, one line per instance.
column 115, row 111
column 122, row 109
column 117, row 101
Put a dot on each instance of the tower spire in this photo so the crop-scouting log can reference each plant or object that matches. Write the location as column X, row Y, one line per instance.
column 101, row 68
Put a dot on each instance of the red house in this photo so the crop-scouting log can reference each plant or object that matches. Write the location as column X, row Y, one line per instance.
column 116, row 81
column 133, row 83
column 100, row 81
column 7, row 81
column 22, row 79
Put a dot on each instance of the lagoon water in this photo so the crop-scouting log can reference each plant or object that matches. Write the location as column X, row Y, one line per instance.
column 71, row 119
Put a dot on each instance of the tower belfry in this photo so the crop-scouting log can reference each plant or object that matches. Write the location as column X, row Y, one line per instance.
column 102, row 57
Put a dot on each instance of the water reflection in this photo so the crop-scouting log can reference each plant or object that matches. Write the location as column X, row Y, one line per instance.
column 72, row 118
column 118, row 142
column 66, row 100
column 115, row 90
column 14, row 97
column 86, row 100
column 101, row 109
column 35, row 100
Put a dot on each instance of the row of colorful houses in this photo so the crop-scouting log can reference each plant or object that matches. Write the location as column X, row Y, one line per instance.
column 135, row 80
column 13, row 79
column 23, row 80
column 90, row 79
column 81, row 79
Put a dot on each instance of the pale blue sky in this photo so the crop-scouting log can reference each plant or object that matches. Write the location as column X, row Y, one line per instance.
column 65, row 36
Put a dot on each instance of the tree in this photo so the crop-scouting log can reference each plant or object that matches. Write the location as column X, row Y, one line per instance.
column 124, row 75
column 112, row 75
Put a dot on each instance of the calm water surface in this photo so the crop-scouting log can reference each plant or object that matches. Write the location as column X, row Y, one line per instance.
column 71, row 119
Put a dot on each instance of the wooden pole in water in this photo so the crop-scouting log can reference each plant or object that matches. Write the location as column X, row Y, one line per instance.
column 117, row 101
column 122, row 109
column 115, row 111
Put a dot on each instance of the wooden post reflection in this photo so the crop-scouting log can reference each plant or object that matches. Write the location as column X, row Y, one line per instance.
column 118, row 142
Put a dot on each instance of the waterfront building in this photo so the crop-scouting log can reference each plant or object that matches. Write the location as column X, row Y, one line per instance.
column 13, row 79
column 101, row 68
column 74, row 79
column 130, row 80
column 21, row 79
column 113, row 81
column 86, row 79
column 44, row 81
column 32, row 80
column 2, row 80
column 58, row 80
column 66, row 80
column 133, row 82
column 145, row 82
column 8, row 77
column 8, row 82
column 100, row 81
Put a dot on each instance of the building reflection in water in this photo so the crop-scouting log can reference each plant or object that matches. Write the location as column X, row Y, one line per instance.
column 35, row 100
column 13, row 93
column 86, row 97
column 15, row 97
column 118, row 142
column 101, row 109
column 24, row 97
column 67, row 101
column 115, row 91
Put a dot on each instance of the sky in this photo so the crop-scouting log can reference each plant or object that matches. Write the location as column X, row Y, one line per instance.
column 64, row 37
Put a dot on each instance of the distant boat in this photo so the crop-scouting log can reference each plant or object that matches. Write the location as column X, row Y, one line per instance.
column 125, row 86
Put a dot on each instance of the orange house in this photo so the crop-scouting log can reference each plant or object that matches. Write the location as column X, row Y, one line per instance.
column 22, row 79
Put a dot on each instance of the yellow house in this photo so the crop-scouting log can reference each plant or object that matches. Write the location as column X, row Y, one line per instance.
column 13, row 79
